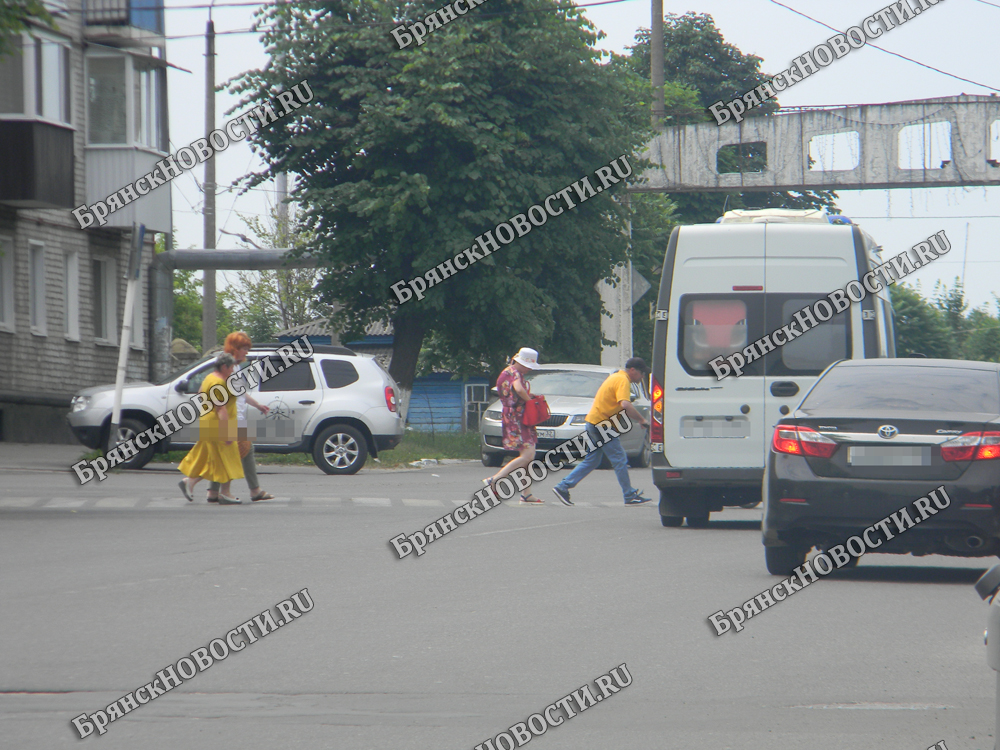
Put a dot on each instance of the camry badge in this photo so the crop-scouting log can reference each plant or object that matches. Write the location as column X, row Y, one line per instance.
column 887, row 432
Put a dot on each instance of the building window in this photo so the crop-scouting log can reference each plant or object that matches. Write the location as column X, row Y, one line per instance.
column 12, row 79
column 52, row 91
column 6, row 285
column 105, row 300
column 146, row 94
column 125, row 97
column 36, row 289
column 35, row 78
column 71, row 295
column 106, row 99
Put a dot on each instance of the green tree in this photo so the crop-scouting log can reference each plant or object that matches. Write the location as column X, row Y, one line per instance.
column 920, row 327
column 698, row 59
column 405, row 156
column 982, row 342
column 264, row 302
column 16, row 16
column 951, row 302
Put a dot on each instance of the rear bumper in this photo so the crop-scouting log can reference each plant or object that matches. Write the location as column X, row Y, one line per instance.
column 704, row 478
column 386, row 442
column 835, row 509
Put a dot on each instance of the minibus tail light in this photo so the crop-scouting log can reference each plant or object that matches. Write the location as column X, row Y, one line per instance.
column 656, row 411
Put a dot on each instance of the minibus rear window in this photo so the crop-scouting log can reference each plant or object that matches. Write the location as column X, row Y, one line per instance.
column 814, row 350
column 712, row 327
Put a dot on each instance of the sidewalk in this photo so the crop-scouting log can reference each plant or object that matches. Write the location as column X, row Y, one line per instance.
column 39, row 456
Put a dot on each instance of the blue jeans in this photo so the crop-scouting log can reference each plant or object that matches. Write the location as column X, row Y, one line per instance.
column 615, row 453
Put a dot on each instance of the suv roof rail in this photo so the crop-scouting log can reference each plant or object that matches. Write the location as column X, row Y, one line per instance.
column 317, row 348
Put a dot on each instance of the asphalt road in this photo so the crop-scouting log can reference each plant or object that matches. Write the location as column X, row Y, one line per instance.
column 103, row 586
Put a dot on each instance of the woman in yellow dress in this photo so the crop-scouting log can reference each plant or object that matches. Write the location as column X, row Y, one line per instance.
column 215, row 456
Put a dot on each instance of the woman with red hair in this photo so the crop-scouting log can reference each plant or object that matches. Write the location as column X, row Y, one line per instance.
column 238, row 344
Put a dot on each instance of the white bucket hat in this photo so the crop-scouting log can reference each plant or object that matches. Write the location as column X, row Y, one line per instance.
column 528, row 358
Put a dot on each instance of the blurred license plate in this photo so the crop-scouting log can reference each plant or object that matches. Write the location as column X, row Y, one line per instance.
column 551, row 434
column 889, row 455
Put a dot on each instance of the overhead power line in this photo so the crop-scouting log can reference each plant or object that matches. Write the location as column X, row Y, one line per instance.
column 889, row 52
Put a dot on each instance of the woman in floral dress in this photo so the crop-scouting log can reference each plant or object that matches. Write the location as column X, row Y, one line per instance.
column 514, row 392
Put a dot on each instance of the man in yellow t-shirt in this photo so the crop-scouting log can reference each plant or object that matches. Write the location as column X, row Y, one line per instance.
column 613, row 397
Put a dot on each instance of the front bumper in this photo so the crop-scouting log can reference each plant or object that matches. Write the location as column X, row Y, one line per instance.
column 88, row 435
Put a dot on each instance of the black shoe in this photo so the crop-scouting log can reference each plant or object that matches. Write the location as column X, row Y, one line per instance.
column 637, row 499
column 563, row 496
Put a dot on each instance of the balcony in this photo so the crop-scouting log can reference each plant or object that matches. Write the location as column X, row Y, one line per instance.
column 125, row 22
column 110, row 168
column 37, row 160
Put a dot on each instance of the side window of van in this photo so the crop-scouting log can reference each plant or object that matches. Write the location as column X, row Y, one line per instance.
column 717, row 325
column 810, row 353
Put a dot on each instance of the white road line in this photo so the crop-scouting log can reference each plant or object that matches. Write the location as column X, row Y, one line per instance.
column 528, row 528
column 18, row 502
column 372, row 501
column 64, row 502
column 116, row 502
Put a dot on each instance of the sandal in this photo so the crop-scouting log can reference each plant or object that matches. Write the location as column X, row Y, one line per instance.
column 183, row 484
column 531, row 499
column 226, row 500
column 262, row 496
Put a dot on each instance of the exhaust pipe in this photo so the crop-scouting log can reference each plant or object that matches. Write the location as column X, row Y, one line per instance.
column 965, row 542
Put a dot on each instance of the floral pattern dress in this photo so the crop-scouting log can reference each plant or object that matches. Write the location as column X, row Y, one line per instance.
column 515, row 433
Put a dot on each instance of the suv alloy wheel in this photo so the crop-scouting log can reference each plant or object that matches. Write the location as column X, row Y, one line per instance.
column 340, row 449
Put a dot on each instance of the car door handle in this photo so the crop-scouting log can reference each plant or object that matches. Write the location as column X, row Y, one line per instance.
column 784, row 388
column 307, row 403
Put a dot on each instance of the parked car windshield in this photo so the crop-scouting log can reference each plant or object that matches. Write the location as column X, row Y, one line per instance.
column 903, row 388
column 566, row 383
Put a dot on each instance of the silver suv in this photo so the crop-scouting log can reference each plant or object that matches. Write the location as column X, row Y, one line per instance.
column 337, row 405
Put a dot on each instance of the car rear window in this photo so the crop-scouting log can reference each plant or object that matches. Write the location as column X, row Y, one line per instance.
column 906, row 389
column 338, row 373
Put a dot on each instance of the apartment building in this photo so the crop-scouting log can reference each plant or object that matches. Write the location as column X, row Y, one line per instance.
column 83, row 112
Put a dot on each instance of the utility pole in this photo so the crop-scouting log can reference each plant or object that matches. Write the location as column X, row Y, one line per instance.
column 281, row 183
column 656, row 64
column 208, row 323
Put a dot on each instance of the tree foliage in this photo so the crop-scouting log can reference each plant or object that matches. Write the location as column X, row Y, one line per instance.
column 264, row 302
column 920, row 327
column 15, row 17
column 405, row 156
column 697, row 59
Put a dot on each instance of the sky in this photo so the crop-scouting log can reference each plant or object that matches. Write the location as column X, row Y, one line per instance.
column 955, row 36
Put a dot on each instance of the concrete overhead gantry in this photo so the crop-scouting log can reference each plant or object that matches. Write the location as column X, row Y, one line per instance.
column 948, row 142
column 161, row 284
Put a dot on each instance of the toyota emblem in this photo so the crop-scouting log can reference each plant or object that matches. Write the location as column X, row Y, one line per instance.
column 887, row 432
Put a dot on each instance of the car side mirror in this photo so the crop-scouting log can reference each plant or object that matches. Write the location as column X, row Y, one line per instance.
column 181, row 387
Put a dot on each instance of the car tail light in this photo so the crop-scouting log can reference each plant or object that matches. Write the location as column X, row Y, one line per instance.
column 390, row 398
column 656, row 423
column 972, row 446
column 802, row 441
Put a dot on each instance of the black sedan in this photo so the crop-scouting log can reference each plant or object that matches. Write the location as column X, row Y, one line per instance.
column 873, row 439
